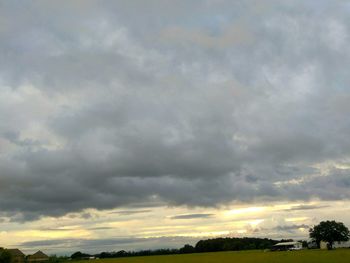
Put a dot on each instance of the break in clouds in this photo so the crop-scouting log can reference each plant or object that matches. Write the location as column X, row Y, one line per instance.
column 107, row 104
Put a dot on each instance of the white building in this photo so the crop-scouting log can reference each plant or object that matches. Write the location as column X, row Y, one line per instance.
column 294, row 245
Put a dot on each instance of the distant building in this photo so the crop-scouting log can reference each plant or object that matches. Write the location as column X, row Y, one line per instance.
column 17, row 255
column 37, row 257
column 287, row 246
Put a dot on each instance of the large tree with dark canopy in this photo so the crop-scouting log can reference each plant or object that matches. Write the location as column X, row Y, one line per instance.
column 5, row 256
column 329, row 231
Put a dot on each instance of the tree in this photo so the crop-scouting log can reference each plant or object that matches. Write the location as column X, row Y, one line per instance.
column 5, row 256
column 78, row 255
column 121, row 253
column 57, row 259
column 329, row 231
column 186, row 249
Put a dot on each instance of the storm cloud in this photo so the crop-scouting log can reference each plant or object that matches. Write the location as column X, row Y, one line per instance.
column 192, row 216
column 110, row 104
column 110, row 243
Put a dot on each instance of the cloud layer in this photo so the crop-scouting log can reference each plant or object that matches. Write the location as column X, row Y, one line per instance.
column 125, row 104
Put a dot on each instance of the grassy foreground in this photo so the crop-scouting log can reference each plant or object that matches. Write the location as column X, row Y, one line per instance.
column 305, row 256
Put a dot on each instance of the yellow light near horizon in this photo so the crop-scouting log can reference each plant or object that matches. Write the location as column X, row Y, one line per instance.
column 52, row 234
column 203, row 234
column 245, row 210
column 295, row 219
column 256, row 222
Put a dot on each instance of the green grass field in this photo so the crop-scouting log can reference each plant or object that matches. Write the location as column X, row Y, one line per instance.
column 305, row 256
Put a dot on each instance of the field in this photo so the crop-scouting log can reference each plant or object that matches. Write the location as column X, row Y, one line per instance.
column 305, row 256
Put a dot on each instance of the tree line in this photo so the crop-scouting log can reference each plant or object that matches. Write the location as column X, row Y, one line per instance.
column 209, row 245
column 328, row 231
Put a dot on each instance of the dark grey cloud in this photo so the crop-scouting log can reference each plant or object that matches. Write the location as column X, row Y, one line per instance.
column 60, row 229
column 55, row 229
column 192, row 216
column 290, row 228
column 131, row 212
column 100, row 228
column 306, row 207
column 110, row 244
column 84, row 242
column 115, row 104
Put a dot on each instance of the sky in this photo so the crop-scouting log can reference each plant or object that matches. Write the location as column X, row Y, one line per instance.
column 150, row 124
